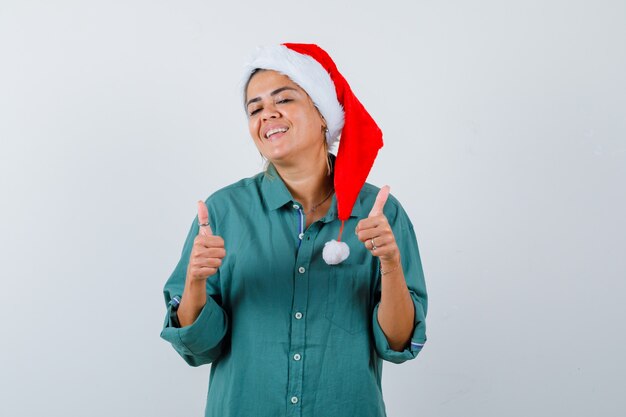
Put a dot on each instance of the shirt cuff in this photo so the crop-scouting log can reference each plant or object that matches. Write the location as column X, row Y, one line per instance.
column 418, row 338
column 205, row 333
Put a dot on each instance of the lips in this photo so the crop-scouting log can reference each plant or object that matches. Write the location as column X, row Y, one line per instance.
column 270, row 131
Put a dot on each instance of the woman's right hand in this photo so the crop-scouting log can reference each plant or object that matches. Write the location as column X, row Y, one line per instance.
column 208, row 250
column 206, row 257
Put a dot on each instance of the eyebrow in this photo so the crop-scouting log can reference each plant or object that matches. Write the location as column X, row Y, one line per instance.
column 273, row 93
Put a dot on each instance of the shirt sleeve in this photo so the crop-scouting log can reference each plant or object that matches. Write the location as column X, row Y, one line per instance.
column 202, row 341
column 414, row 276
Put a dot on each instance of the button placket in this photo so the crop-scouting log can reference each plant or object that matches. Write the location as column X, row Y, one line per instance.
column 297, row 345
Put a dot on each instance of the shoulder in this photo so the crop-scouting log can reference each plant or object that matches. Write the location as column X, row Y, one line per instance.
column 229, row 203
column 242, row 189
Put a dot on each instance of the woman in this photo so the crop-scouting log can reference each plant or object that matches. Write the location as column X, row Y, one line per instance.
column 293, row 321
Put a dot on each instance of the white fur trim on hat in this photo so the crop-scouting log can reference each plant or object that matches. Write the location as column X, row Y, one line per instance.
column 309, row 74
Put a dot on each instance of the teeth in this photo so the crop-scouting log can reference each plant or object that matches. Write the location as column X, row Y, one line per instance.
column 272, row 131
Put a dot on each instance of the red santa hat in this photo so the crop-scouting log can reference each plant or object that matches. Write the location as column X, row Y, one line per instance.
column 348, row 122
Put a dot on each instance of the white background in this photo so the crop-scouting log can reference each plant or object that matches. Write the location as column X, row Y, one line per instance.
column 505, row 135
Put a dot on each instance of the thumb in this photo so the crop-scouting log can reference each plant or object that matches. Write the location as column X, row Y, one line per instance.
column 203, row 219
column 381, row 199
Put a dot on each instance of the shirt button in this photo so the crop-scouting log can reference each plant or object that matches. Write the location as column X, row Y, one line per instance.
column 300, row 236
column 301, row 270
column 296, row 206
column 297, row 356
column 294, row 400
column 298, row 315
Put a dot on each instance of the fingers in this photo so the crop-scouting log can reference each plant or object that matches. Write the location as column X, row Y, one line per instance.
column 378, row 235
column 208, row 250
column 203, row 219
column 206, row 257
column 385, row 252
column 366, row 234
column 203, row 273
column 199, row 262
column 381, row 199
column 209, row 241
column 378, row 242
column 370, row 223
column 375, row 231
column 383, row 246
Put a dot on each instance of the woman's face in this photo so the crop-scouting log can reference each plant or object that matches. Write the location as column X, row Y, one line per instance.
column 283, row 121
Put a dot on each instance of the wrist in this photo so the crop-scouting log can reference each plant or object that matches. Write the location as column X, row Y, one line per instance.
column 192, row 302
column 389, row 267
column 385, row 270
column 389, row 263
column 195, row 291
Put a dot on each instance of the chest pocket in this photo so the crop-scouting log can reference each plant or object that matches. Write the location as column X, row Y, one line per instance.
column 348, row 298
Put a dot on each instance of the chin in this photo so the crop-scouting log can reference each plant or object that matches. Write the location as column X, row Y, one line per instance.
column 277, row 159
column 277, row 154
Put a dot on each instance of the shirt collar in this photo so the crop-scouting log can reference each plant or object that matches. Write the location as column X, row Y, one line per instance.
column 274, row 190
column 276, row 195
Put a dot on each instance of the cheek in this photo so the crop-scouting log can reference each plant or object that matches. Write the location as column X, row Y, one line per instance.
column 253, row 128
column 313, row 119
column 311, row 124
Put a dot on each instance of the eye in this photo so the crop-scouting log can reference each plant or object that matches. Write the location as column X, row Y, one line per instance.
column 284, row 100
column 255, row 111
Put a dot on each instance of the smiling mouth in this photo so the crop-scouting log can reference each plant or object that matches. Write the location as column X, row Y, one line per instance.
column 271, row 132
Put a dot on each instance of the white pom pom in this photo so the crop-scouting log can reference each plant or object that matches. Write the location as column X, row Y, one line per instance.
column 335, row 252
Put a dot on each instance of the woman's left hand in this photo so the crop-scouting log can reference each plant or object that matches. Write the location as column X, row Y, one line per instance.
column 376, row 234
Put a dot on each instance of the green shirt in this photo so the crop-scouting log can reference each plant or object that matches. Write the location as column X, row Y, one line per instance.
column 287, row 334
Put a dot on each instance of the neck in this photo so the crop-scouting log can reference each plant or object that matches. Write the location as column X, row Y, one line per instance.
column 308, row 182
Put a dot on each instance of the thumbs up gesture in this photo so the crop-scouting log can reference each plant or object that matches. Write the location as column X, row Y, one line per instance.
column 376, row 234
column 207, row 251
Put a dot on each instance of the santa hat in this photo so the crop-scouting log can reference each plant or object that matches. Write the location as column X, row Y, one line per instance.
column 359, row 136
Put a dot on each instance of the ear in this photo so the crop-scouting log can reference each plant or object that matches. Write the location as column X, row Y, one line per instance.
column 324, row 124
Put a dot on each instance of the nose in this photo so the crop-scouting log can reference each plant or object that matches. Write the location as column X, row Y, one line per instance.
column 269, row 112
